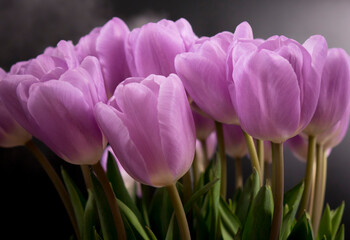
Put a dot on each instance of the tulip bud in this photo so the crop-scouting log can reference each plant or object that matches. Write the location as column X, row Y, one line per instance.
column 333, row 136
column 53, row 97
column 211, row 143
column 107, row 44
column 204, row 125
column 203, row 72
column 334, row 93
column 129, row 182
column 276, row 87
column 235, row 143
column 149, row 124
column 299, row 146
column 11, row 134
column 152, row 48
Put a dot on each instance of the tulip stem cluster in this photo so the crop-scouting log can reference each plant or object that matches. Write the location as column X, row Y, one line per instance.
column 55, row 179
column 278, row 191
column 308, row 176
column 222, row 155
column 179, row 212
column 118, row 221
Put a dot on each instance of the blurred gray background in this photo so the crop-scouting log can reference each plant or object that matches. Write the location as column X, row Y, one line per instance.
column 28, row 202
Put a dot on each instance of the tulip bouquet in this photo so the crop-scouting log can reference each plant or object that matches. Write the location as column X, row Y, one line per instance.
column 153, row 114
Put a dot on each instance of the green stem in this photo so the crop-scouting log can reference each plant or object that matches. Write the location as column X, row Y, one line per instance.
column 273, row 181
column 118, row 221
column 86, row 175
column 196, row 170
column 308, row 177
column 55, row 179
column 238, row 171
column 260, row 152
column 316, row 213
column 279, row 190
column 312, row 191
column 253, row 154
column 222, row 154
column 179, row 212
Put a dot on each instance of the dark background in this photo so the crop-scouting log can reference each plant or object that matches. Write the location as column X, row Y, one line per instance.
column 29, row 206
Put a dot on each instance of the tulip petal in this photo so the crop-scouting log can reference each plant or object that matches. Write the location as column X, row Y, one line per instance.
column 267, row 96
column 155, row 50
column 111, row 53
column 175, row 118
column 67, row 121
column 243, row 30
column 143, row 127
column 123, row 146
column 317, row 47
column 203, row 85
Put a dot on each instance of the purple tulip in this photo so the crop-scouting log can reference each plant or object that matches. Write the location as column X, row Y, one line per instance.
column 334, row 93
column 152, row 48
column 211, row 142
column 129, row 182
column 107, row 44
column 299, row 146
column 276, row 86
column 11, row 133
column 149, row 124
column 204, row 125
column 235, row 143
column 203, row 72
column 333, row 136
column 53, row 97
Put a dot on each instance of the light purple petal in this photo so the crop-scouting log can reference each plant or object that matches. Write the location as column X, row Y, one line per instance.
column 317, row 46
column 123, row 146
column 267, row 96
column 243, row 30
column 175, row 119
column 111, row 53
column 235, row 143
column 67, row 122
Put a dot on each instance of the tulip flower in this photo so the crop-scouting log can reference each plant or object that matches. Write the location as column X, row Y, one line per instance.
column 128, row 181
column 11, row 133
column 204, row 126
column 107, row 44
column 152, row 48
column 299, row 146
column 149, row 124
column 276, row 86
column 333, row 136
column 203, row 72
column 334, row 93
column 53, row 96
column 210, row 148
column 235, row 143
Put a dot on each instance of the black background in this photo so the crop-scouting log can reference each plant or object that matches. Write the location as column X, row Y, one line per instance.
column 29, row 206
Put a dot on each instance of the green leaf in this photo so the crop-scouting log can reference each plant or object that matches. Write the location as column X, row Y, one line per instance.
column 325, row 224
column 199, row 193
column 229, row 221
column 291, row 203
column 258, row 224
column 225, row 234
column 250, row 189
column 234, row 202
column 170, row 232
column 341, row 233
column 215, row 199
column 74, row 195
column 89, row 218
column 336, row 219
column 105, row 214
column 114, row 176
column 161, row 210
column 128, row 229
column 150, row 233
column 133, row 220
column 302, row 230
column 97, row 236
